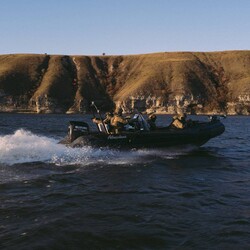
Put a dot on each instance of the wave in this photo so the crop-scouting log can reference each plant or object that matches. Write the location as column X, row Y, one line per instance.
column 23, row 147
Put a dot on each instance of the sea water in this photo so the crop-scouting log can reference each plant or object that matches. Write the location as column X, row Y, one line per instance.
column 54, row 197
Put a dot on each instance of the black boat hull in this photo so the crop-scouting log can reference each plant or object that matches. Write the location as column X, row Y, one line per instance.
column 197, row 135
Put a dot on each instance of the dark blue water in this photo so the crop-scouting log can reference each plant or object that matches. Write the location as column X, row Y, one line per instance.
column 53, row 197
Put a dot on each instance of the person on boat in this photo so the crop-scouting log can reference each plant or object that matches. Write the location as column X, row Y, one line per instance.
column 106, row 121
column 118, row 121
column 179, row 121
column 151, row 121
column 108, row 118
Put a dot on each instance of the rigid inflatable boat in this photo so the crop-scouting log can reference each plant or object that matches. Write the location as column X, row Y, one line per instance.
column 139, row 135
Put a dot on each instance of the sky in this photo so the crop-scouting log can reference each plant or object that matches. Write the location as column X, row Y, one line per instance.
column 122, row 27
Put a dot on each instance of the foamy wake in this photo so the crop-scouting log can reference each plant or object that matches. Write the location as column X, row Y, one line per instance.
column 23, row 146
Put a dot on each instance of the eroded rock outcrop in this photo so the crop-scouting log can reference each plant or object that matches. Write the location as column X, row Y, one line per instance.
column 214, row 82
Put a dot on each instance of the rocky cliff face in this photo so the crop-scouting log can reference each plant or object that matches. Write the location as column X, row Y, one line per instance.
column 215, row 82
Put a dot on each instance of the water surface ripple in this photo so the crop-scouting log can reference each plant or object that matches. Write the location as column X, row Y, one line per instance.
column 53, row 197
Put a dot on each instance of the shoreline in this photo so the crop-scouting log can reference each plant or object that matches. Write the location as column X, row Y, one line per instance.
column 90, row 113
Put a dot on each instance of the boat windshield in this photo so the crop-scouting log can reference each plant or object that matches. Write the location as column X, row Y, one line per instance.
column 143, row 123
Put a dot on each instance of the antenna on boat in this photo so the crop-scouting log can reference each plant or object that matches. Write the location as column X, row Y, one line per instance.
column 93, row 105
column 99, row 114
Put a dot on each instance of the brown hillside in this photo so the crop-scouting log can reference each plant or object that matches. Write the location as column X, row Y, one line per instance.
column 207, row 82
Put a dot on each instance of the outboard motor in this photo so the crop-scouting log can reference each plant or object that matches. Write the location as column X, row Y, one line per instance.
column 77, row 129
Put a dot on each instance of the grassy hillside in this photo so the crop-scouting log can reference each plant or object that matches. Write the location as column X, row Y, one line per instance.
column 211, row 79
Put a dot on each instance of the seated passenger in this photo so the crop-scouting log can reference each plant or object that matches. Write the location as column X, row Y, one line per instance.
column 106, row 121
column 151, row 121
column 179, row 121
column 118, row 121
column 108, row 118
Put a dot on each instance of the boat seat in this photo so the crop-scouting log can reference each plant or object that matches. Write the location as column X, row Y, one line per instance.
column 103, row 129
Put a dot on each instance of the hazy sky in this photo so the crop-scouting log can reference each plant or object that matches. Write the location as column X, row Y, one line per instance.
column 120, row 27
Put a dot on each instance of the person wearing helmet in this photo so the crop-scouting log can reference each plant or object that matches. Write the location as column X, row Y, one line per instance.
column 179, row 121
column 118, row 121
column 108, row 118
column 106, row 121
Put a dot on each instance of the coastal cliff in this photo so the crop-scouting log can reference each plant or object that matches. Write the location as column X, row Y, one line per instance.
column 197, row 82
